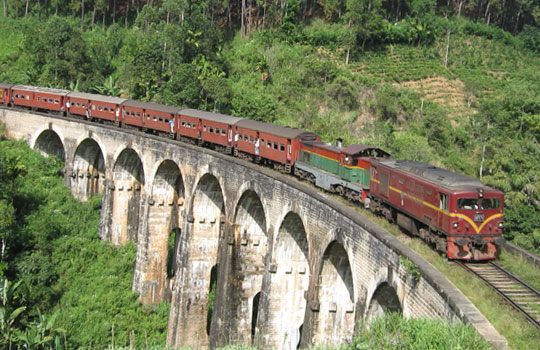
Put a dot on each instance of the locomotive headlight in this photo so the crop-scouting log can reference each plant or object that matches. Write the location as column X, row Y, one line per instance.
column 455, row 225
column 500, row 224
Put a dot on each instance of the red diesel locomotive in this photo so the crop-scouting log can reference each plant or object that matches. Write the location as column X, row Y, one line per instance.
column 456, row 213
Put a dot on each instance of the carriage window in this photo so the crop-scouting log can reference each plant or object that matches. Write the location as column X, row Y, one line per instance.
column 105, row 109
column 275, row 145
column 16, row 95
column 50, row 100
column 428, row 192
column 160, row 119
column 246, row 138
column 251, row 139
column 204, row 128
column 138, row 114
column 100, row 108
column 38, row 98
column 217, row 131
column 183, row 123
column 443, row 201
column 28, row 98
column 401, row 181
column 82, row 105
column 55, row 101
column 211, row 129
column 467, row 203
column 269, row 144
column 166, row 120
column 282, row 148
column 154, row 118
column 223, row 132
column 491, row 203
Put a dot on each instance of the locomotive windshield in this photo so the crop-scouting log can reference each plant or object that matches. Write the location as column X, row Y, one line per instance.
column 491, row 203
column 467, row 203
column 475, row 203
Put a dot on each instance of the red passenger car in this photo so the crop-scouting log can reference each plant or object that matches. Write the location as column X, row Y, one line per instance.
column 39, row 98
column 213, row 129
column 5, row 93
column 277, row 144
column 94, row 106
column 457, row 213
column 149, row 116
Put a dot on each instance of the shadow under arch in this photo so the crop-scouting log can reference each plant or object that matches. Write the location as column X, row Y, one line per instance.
column 48, row 143
column 288, row 278
column 88, row 172
column 128, row 184
column 334, row 319
column 384, row 300
column 163, row 230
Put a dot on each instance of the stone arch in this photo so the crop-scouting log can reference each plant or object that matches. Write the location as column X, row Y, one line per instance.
column 384, row 300
column 334, row 321
column 200, row 248
column 245, row 261
column 288, row 280
column 49, row 143
column 127, row 187
column 88, row 172
column 163, row 229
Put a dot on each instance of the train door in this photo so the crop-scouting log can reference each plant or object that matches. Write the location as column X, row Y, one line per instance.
column 383, row 186
column 442, row 218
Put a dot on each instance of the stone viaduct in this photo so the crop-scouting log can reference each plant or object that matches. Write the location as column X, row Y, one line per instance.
column 283, row 264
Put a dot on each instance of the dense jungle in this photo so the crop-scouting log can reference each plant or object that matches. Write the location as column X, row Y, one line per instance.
column 452, row 82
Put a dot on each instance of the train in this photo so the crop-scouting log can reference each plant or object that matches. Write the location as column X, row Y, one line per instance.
column 457, row 214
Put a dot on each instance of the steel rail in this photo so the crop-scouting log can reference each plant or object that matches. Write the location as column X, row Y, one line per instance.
column 503, row 277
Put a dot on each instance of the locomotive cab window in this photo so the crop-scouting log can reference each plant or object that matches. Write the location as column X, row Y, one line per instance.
column 467, row 203
column 491, row 203
column 443, row 201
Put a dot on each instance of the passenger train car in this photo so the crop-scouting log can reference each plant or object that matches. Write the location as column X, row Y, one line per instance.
column 456, row 213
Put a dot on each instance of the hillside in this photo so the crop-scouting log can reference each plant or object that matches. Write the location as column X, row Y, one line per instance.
column 452, row 84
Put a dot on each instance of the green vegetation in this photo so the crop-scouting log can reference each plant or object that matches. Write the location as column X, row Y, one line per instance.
column 453, row 83
column 394, row 332
column 60, row 285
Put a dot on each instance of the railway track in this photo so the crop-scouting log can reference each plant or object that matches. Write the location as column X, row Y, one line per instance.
column 517, row 293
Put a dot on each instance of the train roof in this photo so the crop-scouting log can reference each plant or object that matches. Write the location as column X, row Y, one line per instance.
column 442, row 177
column 96, row 97
column 282, row 131
column 152, row 106
column 41, row 89
column 5, row 86
column 352, row 150
column 214, row 117
column 370, row 150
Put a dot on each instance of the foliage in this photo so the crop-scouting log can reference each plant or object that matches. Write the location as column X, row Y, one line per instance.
column 410, row 267
column 395, row 332
column 71, row 287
